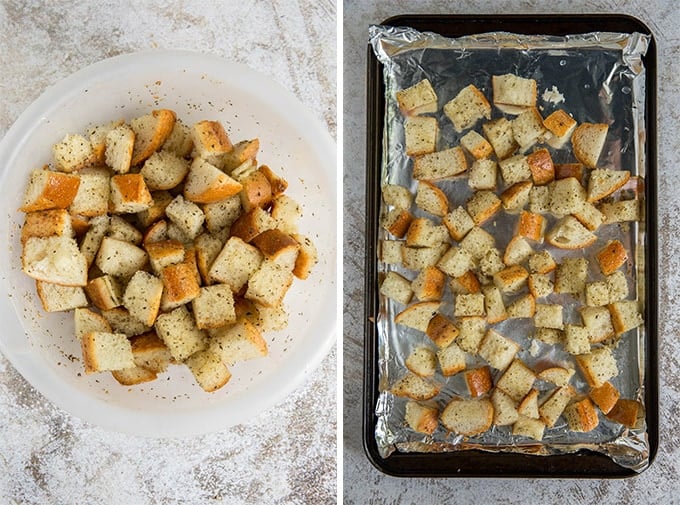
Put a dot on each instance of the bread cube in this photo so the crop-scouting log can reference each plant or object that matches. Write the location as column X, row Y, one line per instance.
column 517, row 380
column 458, row 222
column 206, row 183
column 569, row 233
column 86, row 321
column 513, row 94
column 597, row 294
column 528, row 407
column 471, row 333
column 539, row 199
column 428, row 285
column 210, row 140
column 571, row 276
column 611, row 257
column 441, row 330
column 164, row 170
column 587, row 141
column 269, row 284
column 421, row 418
column 477, row 242
column 439, row 165
column 422, row 361
column 58, row 298
column 455, row 262
column 92, row 197
column 242, row 152
column 129, row 194
column 497, row 350
column 581, row 416
column 418, row 315
column 621, row 211
column 469, row 305
column 494, row 307
column 551, row 409
column 625, row 315
column 549, row 335
column 417, row 99
column 528, row 129
column 121, row 321
column 476, row 145
column 531, row 226
column 186, row 215
column 120, row 142
column 598, row 322
column 179, row 142
column 397, row 196
column 420, row 135
column 482, row 206
column 389, row 252
column 120, row 258
column 478, row 381
column 576, row 339
column 47, row 190
column 164, row 253
column 518, row 251
column 222, row 214
column 415, row 387
column 541, row 262
column 560, row 125
column 557, row 375
column 431, row 199
column 105, row 292
column 150, row 352
column 47, row 223
column 504, row 408
column 540, row 285
column 395, row 221
column 548, row 316
column 597, row 367
column 541, row 165
column 483, row 174
column 423, row 232
column 467, row 107
column 516, row 197
column 605, row 396
column 73, row 153
column 626, row 412
column 178, row 330
column 106, row 351
column 180, row 285
column 151, row 132
column 589, row 216
column 499, row 134
column 528, row 427
column 417, row 258
column 451, row 359
column 567, row 197
column 396, row 287
column 54, row 259
column 307, row 257
column 511, row 279
column 208, row 370
column 468, row 417
column 617, row 285
column 465, row 284
column 142, row 297
column 515, row 169
column 523, row 307
column 491, row 263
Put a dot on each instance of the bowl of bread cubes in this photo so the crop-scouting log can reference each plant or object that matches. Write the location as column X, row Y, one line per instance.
column 170, row 226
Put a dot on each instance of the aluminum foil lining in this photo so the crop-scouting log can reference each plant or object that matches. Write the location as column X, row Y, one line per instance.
column 595, row 77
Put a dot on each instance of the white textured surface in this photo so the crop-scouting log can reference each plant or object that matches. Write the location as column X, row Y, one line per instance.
column 287, row 455
column 363, row 484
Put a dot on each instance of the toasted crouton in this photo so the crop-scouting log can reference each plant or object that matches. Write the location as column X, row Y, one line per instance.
column 517, row 380
column 531, row 225
column 467, row 107
column 528, row 129
column 241, row 341
column 567, row 197
column 164, row 170
column 180, row 334
column 163, row 253
column 431, row 199
column 560, row 125
column 280, row 247
column 415, row 387
column 469, row 305
column 478, row 381
column 151, row 132
column 497, row 350
column 120, row 258
column 57, row 298
column 97, row 136
column 620, row 211
column 571, row 276
column 523, row 307
column 482, row 206
column 429, row 284
column 92, row 198
column 73, row 153
column 222, row 214
column 179, row 141
column 588, row 140
column 491, row 263
column 186, row 215
column 86, row 320
column 625, row 412
column 589, row 216
column 483, row 174
column 516, row 196
column 206, row 183
column 471, row 333
column 423, row 232
column 106, row 351
column 47, row 223
column 569, row 233
column 455, row 262
column 417, row 99
column 511, row 278
column 208, row 370
column 214, row 307
column 551, row 409
column 129, row 194
column 105, row 292
column 142, row 297
column 468, row 417
column 49, row 190
column 417, row 258
column 466, row 283
column 557, row 375
column 421, row 418
column 499, row 134
column 422, row 361
column 476, row 145
column 395, row 221
column 120, row 143
column 54, row 259
column 269, row 284
column 180, row 285
column 494, row 307
column 548, row 316
column 541, row 262
column 437, row 165
column 528, row 427
column 515, row 169
column 397, row 196
column 598, row 367
column 541, row 166
column 517, row 251
column 451, row 360
column 528, row 407
column 625, row 315
column 540, row 285
column 611, row 257
column 307, row 257
column 604, row 181
column 539, row 199
column 458, row 222
column 243, row 151
column 441, row 330
column 513, row 94
column 477, row 242
column 576, row 339
column 504, row 408
column 605, row 396
column 121, row 321
column 581, row 416
column 418, row 315
column 421, row 135
column 396, row 287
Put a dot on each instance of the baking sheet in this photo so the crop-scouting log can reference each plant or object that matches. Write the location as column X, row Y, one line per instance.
column 602, row 78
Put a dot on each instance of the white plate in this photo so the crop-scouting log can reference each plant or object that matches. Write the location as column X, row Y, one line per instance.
column 196, row 86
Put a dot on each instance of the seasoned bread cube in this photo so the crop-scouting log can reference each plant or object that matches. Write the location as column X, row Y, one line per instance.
column 455, row 262
column 504, row 408
column 47, row 223
column 567, row 197
column 54, row 259
column 73, row 153
column 494, row 307
column 542, row 262
column 571, row 276
column 482, row 206
column 129, row 194
column 468, row 417
column 517, row 380
column 515, row 169
column 458, row 222
column 469, row 305
column 605, row 396
column 281, row 248
column 120, row 143
column 611, row 257
column 151, row 132
column 617, row 285
column 396, row 221
column 164, row 170
column 528, row 407
column 105, row 292
column 179, row 141
column 49, row 190
column 511, row 279
column 499, row 134
column 557, row 375
column 269, row 284
column 517, row 251
column 178, row 330
column 549, row 336
column 551, row 409
column 491, row 263
column 238, row 342
column 397, row 196
column 220, row 215
column 548, row 316
column 417, row 258
column 597, row 367
column 106, row 351
column 428, row 285
column 528, row 129
column 451, row 360
column 513, row 94
column 531, row 226
column 523, row 307
column 625, row 315
column 142, row 297
column 625, row 412
column 471, row 333
column 589, row 216
column 57, row 298
column 597, row 294
column 422, row 361
column 581, row 416
column 208, row 370
column 528, row 427
column 431, row 199
column 307, row 257
column 122, row 322
column 120, row 258
column 539, row 199
column 437, row 165
column 423, row 232
column 389, row 252
column 243, row 151
column 121, row 229
column 164, row 253
column 497, row 350
column 97, row 136
column 415, row 387
column 156, row 213
column 576, row 339
column 516, row 196
column 186, row 215
column 561, row 126
column 206, row 183
column 541, row 166
column 477, row 242
column 478, row 381
column 417, row 99
column 620, row 211
column 467, row 107
column 466, row 283
column 421, row 418
column 180, row 285
column 476, row 145
column 604, row 181
column 483, row 174
column 540, row 285
column 86, row 321
column 150, row 352
column 569, row 233
column 421, row 134
column 92, row 198
column 418, row 315
column 133, row 376
column 588, row 140
column 441, row 330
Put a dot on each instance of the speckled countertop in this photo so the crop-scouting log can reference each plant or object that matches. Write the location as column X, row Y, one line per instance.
column 286, row 455
column 363, row 483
